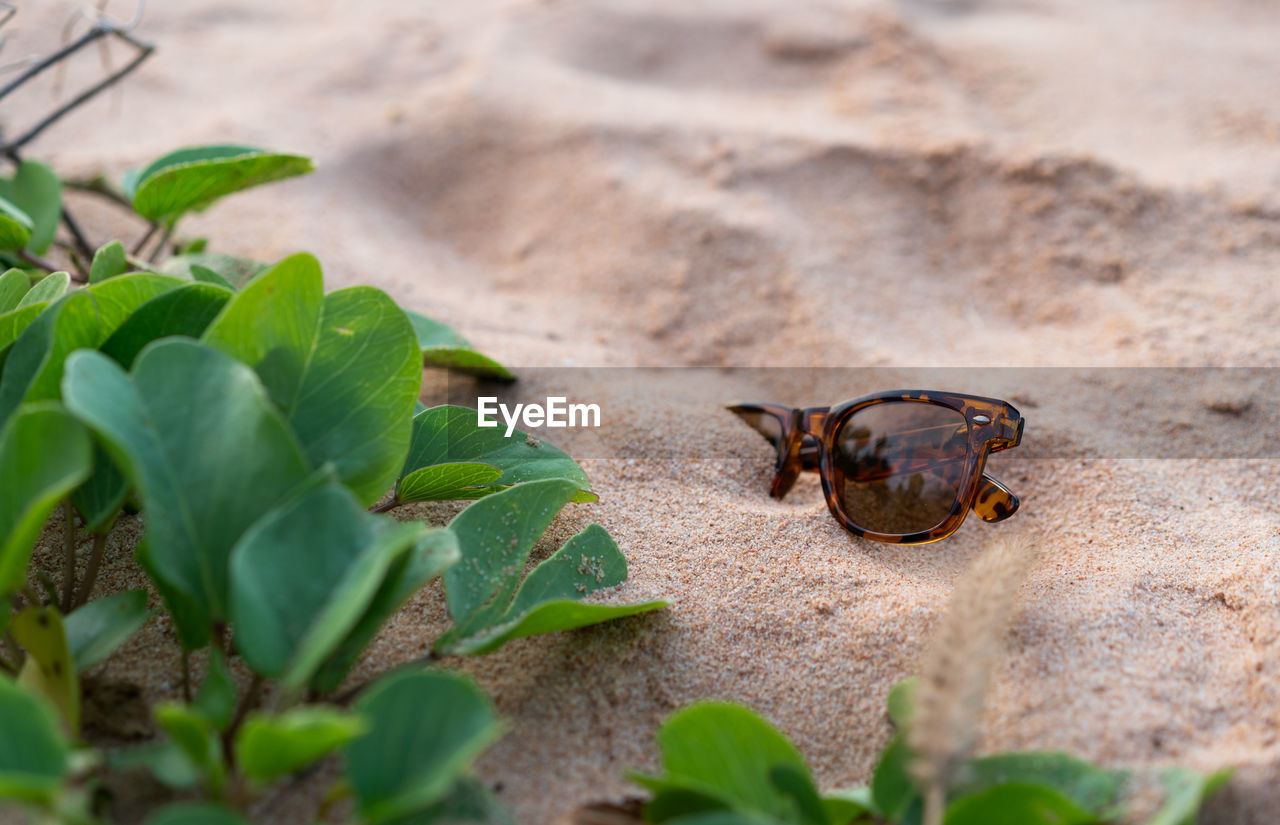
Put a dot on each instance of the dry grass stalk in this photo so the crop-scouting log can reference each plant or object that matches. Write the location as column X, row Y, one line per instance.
column 956, row 667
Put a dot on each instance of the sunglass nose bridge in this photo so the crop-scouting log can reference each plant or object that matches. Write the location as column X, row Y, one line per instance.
column 812, row 420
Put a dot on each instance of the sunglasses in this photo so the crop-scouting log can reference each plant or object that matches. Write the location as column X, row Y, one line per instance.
column 903, row 467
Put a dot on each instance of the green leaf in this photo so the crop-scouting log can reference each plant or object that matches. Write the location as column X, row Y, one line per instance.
column 436, row 551
column 902, row 701
column 449, row 435
column 343, row 367
column 731, row 752
column 35, row 190
column 892, row 790
column 109, row 261
column 13, row 285
column 495, row 536
column 13, row 323
column 425, row 729
column 227, row 270
column 49, row 669
column 83, row 319
column 34, row 754
column 1016, row 804
column 165, row 760
column 468, row 801
column 797, row 784
column 217, row 696
column 1087, row 786
column 47, row 290
column 441, row 346
column 447, row 482
column 100, row 497
column 853, row 805
column 547, row 601
column 187, row 310
column 191, row 180
column 271, row 746
column 189, row 813
column 1185, row 791
column 304, row 575
column 15, row 226
column 96, row 629
column 195, row 735
column 206, row 275
column 44, row 454
column 158, row 425
column 549, row 618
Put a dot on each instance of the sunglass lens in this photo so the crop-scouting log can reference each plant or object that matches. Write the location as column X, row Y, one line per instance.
column 899, row 465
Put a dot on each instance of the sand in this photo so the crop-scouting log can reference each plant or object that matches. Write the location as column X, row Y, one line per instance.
column 963, row 183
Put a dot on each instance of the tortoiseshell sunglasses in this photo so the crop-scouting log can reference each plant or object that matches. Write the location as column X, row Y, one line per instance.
column 903, row 467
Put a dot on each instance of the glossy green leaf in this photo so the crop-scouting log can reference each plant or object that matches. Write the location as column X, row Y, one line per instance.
column 15, row 226
column 96, row 629
column 217, row 696
column 1016, row 804
column 441, row 346
column 468, row 801
column 547, row 601
column 1185, row 791
column 449, row 435
column 187, row 310
column 343, row 367
column 447, row 482
column 227, row 270
column 34, row 753
column 36, row 190
column 47, row 290
column 902, row 700
column 188, row 813
column 13, row 285
column 425, row 729
column 303, row 576
column 83, row 319
column 167, row 762
column 271, row 746
column 495, row 536
column 851, row 806
column 190, row 180
column 13, row 323
column 195, row 735
column 204, row 274
column 158, row 424
column 98, row 500
column 796, row 784
column 892, row 790
column 44, row 454
column 729, row 751
column 435, row 552
column 49, row 669
column 1087, row 786
column 108, row 262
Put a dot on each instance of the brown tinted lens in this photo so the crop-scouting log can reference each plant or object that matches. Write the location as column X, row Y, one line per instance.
column 899, row 465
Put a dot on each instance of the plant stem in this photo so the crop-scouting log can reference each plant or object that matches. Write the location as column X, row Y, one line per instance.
column 164, row 240
column 142, row 242
column 81, row 242
column 68, row 556
column 95, row 561
column 387, row 506
column 38, row 263
column 252, row 697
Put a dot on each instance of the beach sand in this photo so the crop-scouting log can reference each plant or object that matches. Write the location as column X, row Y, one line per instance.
column 964, row 183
